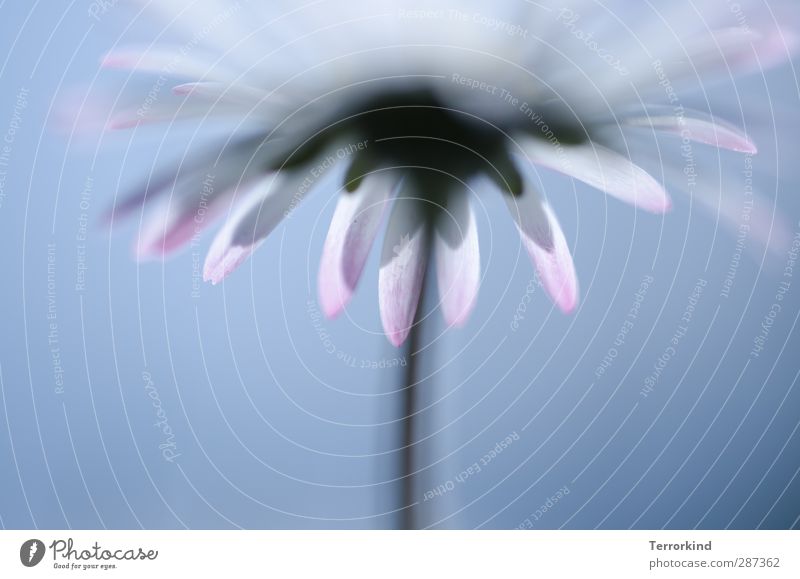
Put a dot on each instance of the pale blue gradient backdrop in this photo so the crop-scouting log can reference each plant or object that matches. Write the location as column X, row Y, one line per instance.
column 274, row 431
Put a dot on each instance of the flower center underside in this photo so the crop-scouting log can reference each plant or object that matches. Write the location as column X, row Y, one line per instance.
column 437, row 146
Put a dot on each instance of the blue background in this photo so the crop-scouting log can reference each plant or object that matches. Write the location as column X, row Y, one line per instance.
column 273, row 431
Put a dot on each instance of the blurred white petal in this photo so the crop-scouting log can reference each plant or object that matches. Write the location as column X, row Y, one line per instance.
column 458, row 259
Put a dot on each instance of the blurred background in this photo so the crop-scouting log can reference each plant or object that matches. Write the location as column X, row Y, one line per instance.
column 133, row 395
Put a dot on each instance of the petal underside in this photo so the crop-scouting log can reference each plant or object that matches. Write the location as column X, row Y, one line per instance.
column 546, row 245
column 458, row 260
column 603, row 169
column 404, row 261
column 351, row 234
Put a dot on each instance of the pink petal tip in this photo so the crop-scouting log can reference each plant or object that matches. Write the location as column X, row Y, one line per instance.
column 219, row 266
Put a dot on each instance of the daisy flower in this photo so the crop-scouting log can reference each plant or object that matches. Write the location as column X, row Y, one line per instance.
column 420, row 107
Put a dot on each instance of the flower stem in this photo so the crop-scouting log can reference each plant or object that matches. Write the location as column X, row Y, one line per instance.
column 409, row 427
column 410, row 421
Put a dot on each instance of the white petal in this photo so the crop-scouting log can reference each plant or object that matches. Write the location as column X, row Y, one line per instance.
column 216, row 24
column 252, row 101
column 458, row 260
column 730, row 50
column 161, row 112
column 196, row 200
column 167, row 228
column 255, row 216
column 555, row 266
column 166, row 60
column 695, row 126
column 403, row 263
column 176, row 220
column 237, row 163
column 530, row 216
column 601, row 168
column 352, row 231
